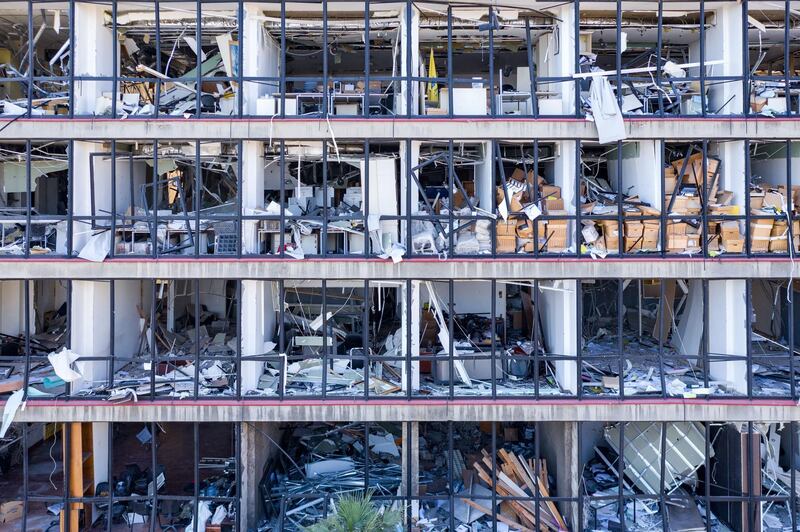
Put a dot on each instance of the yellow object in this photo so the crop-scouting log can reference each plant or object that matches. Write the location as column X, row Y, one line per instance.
column 433, row 87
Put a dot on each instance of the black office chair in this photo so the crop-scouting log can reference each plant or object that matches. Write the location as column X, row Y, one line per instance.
column 140, row 508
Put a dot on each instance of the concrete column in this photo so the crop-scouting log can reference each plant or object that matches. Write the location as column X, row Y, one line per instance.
column 82, row 190
column 257, row 448
column 90, row 330
column 555, row 57
column 12, row 307
column 558, row 442
column 411, row 299
column 258, row 326
column 405, row 38
column 725, row 35
column 410, row 437
column 92, row 55
column 252, row 192
column 727, row 331
column 407, row 181
column 261, row 57
column 564, row 177
column 559, row 319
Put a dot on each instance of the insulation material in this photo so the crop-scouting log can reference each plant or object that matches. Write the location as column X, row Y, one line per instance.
column 685, row 444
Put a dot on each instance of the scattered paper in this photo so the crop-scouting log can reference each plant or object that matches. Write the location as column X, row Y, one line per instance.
column 532, row 211
column 62, row 362
column 96, row 249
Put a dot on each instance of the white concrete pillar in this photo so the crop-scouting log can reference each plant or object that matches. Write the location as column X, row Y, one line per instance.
column 411, row 300
column 732, row 175
column 90, row 330
column 564, row 177
column 556, row 58
column 261, row 57
column 82, row 190
column 727, row 331
column 560, row 328
column 252, row 192
column 407, row 181
column 405, row 38
column 101, row 447
column 92, row 55
column 258, row 326
column 724, row 42
column 410, row 437
column 12, row 307
column 484, row 178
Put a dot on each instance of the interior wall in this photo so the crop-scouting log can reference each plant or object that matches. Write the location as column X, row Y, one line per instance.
column 641, row 170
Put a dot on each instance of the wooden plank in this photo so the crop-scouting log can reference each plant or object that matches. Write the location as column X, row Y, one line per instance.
column 500, row 517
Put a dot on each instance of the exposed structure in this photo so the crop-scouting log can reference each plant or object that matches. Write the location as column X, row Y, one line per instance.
column 496, row 266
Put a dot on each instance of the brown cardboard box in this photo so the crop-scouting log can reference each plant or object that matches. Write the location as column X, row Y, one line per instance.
column 669, row 183
column 525, row 229
column 506, row 227
column 733, row 244
column 779, row 236
column 553, row 204
column 684, row 204
column 506, row 243
column 724, row 210
column 729, row 229
column 632, row 243
column 11, row 511
column 519, row 175
column 756, row 199
column 610, row 235
column 551, row 191
column 693, row 241
column 677, row 242
column 773, row 199
column 677, row 228
column 650, row 237
column 525, row 244
column 760, row 233
column 555, row 236
column 633, row 229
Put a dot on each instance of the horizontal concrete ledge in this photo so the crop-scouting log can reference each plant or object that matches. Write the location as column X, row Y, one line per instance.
column 232, row 411
column 393, row 128
column 419, row 268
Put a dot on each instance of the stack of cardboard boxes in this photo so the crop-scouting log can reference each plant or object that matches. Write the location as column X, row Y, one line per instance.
column 516, row 233
column 771, row 233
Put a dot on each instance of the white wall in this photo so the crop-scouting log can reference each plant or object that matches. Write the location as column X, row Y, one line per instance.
column 641, row 169
column 92, row 55
column 400, row 98
column 773, row 170
column 261, row 57
column 12, row 311
column 727, row 331
column 559, row 323
column 259, row 319
column 127, row 322
column 724, row 41
column 470, row 297
column 558, row 59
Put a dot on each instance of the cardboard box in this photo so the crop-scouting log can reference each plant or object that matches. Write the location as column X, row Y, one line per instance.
column 632, row 243
column 506, row 227
column 610, row 235
column 684, row 204
column 11, row 511
column 555, row 237
column 519, row 175
column 733, row 244
column 506, row 243
column 669, row 184
column 779, row 236
column 525, row 229
column 650, row 238
column 677, row 242
column 550, row 191
column 729, row 229
column 553, row 204
column 677, row 228
column 633, row 229
column 756, row 199
column 773, row 199
column 760, row 233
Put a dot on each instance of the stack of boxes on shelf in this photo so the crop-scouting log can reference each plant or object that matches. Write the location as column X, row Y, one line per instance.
column 516, row 233
column 770, row 234
column 684, row 179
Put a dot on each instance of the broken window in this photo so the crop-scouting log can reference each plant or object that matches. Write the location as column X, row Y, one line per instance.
column 774, row 338
column 774, row 226
column 660, row 60
column 120, row 475
column 35, row 59
column 688, row 475
column 174, row 61
column 642, row 337
column 310, row 467
column 314, row 200
column 35, row 199
column 35, row 325
column 772, row 37
column 182, row 196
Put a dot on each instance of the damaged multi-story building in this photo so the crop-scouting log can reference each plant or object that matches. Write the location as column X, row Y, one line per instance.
column 496, row 266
